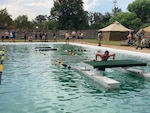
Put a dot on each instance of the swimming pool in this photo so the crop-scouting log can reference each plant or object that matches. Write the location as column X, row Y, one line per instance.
column 33, row 82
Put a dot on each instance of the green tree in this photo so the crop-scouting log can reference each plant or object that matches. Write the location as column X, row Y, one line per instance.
column 141, row 9
column 5, row 19
column 42, row 22
column 22, row 22
column 53, row 25
column 100, row 20
column 128, row 19
column 70, row 14
column 116, row 10
column 106, row 18
column 41, row 18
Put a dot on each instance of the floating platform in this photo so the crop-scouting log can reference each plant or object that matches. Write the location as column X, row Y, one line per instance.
column 139, row 73
column 46, row 49
column 99, row 79
column 42, row 47
column 115, row 63
column 126, row 65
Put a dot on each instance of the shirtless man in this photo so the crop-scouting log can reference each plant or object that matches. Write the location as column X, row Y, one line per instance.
column 105, row 56
column 67, row 35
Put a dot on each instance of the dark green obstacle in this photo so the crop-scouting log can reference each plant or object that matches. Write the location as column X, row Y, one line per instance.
column 115, row 63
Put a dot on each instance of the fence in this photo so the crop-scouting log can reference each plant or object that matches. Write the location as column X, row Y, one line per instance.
column 60, row 34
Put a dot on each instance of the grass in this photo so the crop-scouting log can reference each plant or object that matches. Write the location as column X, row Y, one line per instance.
column 117, row 43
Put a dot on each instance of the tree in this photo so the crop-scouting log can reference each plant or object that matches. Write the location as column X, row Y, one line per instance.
column 116, row 10
column 141, row 9
column 70, row 14
column 41, row 18
column 5, row 19
column 41, row 21
column 128, row 19
column 53, row 24
column 106, row 18
column 22, row 22
column 100, row 20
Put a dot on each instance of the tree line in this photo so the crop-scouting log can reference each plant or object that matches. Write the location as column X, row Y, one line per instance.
column 70, row 14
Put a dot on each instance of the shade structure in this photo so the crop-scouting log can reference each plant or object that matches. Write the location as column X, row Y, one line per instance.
column 116, row 26
column 147, row 29
column 115, row 31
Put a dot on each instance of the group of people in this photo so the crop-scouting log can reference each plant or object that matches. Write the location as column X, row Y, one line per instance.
column 8, row 35
column 29, row 38
column 74, row 35
column 135, row 37
column 41, row 35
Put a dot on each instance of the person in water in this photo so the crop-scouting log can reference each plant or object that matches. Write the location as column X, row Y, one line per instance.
column 104, row 56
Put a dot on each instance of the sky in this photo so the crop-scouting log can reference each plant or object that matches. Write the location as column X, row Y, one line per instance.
column 33, row 8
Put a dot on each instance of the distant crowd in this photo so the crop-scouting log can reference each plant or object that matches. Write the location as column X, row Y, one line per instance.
column 74, row 35
column 137, row 38
column 10, row 36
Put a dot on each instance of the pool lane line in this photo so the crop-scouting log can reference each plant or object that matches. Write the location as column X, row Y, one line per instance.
column 59, row 62
column 42, row 53
column 1, row 64
column 77, row 50
column 71, row 53
column 63, row 64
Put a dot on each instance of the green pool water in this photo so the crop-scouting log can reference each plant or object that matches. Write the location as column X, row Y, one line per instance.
column 33, row 82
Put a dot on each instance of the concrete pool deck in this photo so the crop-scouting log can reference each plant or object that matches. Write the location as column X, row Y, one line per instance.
column 129, row 48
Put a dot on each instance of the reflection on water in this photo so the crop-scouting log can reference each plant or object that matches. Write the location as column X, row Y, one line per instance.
column 33, row 82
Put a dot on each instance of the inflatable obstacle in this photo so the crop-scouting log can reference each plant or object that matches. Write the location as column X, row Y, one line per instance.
column 46, row 49
column 115, row 63
column 42, row 47
column 98, row 78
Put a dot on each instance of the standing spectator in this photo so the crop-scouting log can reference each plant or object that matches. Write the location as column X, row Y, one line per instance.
column 13, row 35
column 78, row 35
column 25, row 36
column 46, row 38
column 67, row 35
column 73, row 35
column 134, row 36
column 140, row 35
column 40, row 35
column 81, row 36
column 130, row 39
column 99, row 37
column 54, row 37
column 7, row 35
column 36, row 35
column 43, row 36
